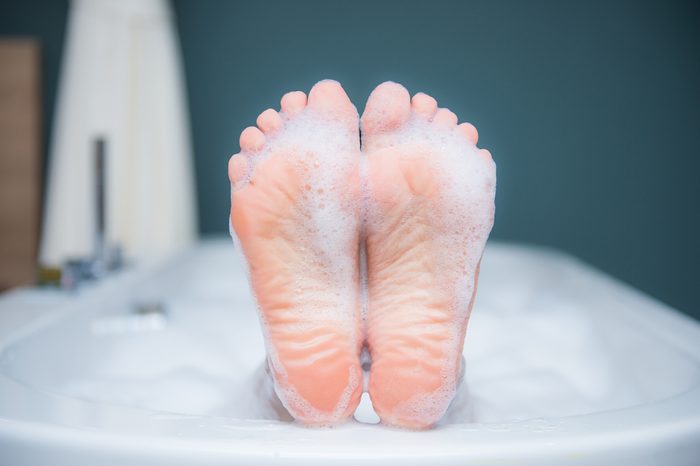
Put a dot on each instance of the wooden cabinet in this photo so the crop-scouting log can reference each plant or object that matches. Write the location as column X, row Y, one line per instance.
column 20, row 160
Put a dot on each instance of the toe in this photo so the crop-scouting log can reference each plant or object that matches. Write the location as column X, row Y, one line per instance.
column 328, row 98
column 485, row 154
column 269, row 121
column 445, row 117
column 252, row 139
column 388, row 107
column 237, row 168
column 293, row 102
column 424, row 105
column 469, row 131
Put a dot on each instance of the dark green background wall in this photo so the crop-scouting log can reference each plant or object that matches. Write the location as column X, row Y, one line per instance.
column 591, row 109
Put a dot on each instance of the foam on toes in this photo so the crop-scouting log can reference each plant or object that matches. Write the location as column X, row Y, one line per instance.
column 486, row 154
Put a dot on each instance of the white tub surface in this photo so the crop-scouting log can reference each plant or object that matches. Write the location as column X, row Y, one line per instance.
column 564, row 365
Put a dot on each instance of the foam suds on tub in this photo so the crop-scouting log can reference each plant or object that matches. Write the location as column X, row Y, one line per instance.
column 533, row 349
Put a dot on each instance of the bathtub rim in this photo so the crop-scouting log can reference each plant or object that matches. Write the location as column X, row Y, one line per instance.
column 163, row 435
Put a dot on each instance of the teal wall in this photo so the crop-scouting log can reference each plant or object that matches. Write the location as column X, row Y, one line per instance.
column 591, row 109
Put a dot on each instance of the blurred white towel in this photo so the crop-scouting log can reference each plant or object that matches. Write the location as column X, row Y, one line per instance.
column 122, row 78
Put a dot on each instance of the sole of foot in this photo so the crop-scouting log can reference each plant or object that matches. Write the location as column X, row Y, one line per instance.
column 295, row 206
column 430, row 209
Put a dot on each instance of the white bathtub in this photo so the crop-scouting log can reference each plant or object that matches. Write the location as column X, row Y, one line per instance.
column 563, row 366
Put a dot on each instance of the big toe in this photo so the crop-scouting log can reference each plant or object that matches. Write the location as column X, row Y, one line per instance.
column 388, row 107
column 329, row 99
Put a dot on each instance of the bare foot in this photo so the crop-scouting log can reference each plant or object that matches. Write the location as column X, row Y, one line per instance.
column 295, row 211
column 430, row 210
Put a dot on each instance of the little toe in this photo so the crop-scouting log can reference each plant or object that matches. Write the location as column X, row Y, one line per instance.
column 485, row 154
column 252, row 139
column 424, row 105
column 269, row 121
column 469, row 131
column 388, row 107
column 293, row 102
column 329, row 99
column 237, row 168
column 445, row 117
